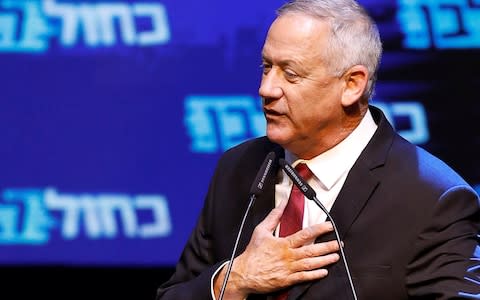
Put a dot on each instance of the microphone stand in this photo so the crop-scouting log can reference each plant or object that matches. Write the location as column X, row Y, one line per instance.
column 256, row 189
column 230, row 263
column 337, row 236
column 310, row 194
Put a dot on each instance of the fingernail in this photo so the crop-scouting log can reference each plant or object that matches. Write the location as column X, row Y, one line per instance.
column 330, row 225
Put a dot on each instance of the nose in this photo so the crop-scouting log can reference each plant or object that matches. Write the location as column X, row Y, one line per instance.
column 270, row 87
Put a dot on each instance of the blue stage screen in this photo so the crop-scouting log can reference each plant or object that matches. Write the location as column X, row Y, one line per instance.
column 114, row 113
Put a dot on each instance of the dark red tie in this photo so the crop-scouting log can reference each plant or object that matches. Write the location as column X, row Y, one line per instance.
column 292, row 218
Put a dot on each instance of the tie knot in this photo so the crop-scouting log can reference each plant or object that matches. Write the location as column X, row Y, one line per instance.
column 304, row 171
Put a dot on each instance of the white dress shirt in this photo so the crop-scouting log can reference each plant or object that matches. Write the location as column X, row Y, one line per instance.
column 330, row 170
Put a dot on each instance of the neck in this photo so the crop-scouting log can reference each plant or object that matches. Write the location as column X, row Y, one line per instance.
column 312, row 148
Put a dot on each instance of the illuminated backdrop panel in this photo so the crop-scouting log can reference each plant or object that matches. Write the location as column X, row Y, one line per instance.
column 114, row 113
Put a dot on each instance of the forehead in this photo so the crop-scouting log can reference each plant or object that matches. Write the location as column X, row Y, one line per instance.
column 294, row 36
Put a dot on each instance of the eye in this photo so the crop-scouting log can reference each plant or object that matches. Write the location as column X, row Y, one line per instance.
column 266, row 67
column 289, row 75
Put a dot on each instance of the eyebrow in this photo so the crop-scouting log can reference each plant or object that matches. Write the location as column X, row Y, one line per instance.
column 287, row 62
column 283, row 62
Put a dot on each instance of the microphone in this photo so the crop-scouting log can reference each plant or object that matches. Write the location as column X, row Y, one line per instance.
column 255, row 190
column 259, row 182
column 310, row 194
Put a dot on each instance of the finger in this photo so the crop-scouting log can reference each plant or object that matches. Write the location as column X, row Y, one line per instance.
column 312, row 263
column 315, row 250
column 308, row 276
column 272, row 220
column 309, row 234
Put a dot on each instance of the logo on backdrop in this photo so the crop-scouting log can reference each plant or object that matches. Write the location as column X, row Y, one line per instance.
column 28, row 26
column 217, row 123
column 444, row 24
column 30, row 216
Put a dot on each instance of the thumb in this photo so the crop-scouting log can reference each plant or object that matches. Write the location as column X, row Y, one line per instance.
column 272, row 220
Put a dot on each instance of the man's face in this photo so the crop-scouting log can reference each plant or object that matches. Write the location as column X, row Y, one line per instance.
column 302, row 100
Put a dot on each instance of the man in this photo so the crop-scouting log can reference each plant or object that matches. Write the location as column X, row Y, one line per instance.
column 409, row 224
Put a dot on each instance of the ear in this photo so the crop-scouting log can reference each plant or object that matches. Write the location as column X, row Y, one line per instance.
column 356, row 80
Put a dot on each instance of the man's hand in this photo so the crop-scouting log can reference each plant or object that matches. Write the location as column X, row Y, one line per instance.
column 270, row 263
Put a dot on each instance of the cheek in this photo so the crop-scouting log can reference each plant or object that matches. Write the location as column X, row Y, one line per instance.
column 295, row 102
column 313, row 109
column 309, row 100
column 305, row 109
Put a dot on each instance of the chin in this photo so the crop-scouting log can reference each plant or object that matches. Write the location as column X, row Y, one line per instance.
column 278, row 137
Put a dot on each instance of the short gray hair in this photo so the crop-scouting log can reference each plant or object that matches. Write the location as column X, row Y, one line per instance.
column 354, row 39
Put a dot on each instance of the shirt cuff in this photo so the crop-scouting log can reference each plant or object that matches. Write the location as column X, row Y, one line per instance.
column 213, row 276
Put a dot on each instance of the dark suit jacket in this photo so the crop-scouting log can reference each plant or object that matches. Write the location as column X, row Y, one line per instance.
column 410, row 225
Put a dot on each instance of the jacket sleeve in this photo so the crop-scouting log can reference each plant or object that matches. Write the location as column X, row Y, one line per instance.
column 196, row 266
column 446, row 264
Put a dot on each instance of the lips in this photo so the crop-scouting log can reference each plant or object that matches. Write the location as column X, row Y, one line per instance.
column 271, row 112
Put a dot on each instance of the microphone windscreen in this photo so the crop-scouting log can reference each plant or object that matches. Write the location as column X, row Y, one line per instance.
column 259, row 182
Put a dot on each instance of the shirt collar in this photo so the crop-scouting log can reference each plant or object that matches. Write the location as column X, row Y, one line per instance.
column 329, row 166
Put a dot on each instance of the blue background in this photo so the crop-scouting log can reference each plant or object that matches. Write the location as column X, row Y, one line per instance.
column 113, row 119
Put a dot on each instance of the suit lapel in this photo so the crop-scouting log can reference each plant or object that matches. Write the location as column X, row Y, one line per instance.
column 358, row 188
column 362, row 180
